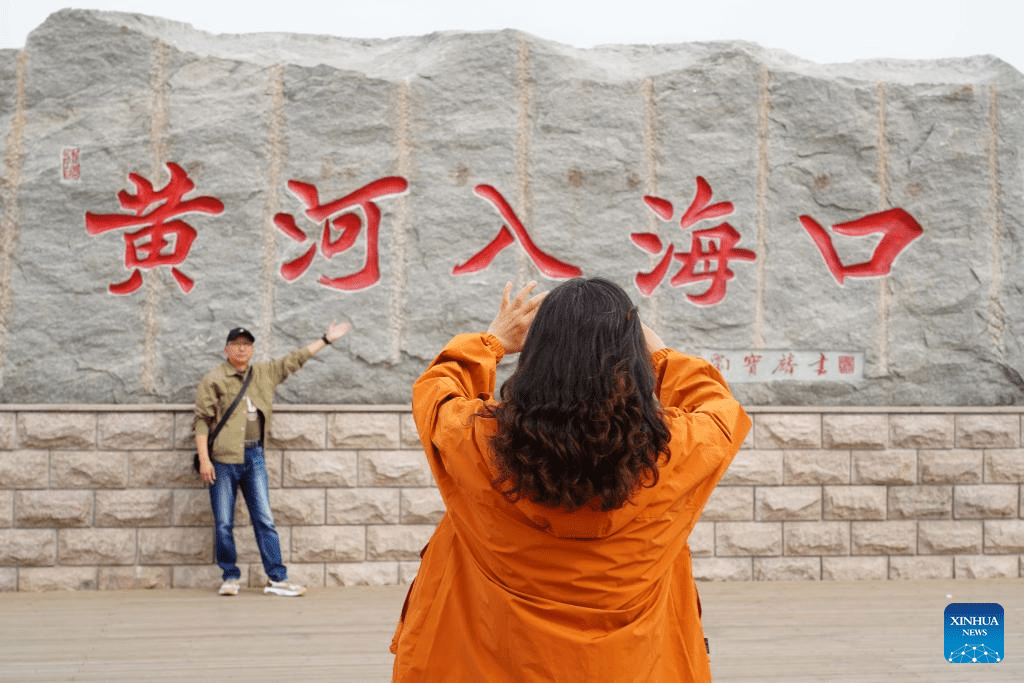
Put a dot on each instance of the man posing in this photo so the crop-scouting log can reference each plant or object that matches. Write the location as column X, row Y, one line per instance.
column 237, row 453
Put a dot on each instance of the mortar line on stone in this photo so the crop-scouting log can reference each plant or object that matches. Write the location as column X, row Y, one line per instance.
column 403, row 221
column 524, row 145
column 996, row 313
column 158, row 146
column 763, row 109
column 650, row 143
column 882, row 171
column 10, row 221
column 277, row 151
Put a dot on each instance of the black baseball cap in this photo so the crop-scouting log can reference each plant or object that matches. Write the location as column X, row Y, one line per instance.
column 240, row 332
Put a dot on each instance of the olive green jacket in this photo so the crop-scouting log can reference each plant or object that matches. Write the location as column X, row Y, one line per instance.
column 218, row 389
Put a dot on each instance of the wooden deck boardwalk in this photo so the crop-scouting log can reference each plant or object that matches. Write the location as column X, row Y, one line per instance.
column 775, row 631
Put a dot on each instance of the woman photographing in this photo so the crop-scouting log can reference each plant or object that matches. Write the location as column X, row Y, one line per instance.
column 562, row 555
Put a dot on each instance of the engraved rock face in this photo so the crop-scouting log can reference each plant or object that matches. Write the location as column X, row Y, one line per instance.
column 851, row 233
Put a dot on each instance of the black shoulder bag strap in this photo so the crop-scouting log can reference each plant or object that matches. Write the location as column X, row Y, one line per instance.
column 212, row 436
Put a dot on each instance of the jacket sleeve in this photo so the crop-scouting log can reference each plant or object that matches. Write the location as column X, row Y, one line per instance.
column 460, row 377
column 278, row 370
column 205, row 411
column 693, row 385
column 708, row 425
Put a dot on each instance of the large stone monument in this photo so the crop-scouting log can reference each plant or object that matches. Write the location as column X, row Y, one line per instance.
column 847, row 235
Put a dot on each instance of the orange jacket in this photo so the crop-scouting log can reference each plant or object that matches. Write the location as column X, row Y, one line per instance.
column 523, row 592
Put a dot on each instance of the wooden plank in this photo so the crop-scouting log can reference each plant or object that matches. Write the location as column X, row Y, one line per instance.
column 798, row 632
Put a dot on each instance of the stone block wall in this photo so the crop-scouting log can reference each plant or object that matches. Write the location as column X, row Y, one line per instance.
column 104, row 497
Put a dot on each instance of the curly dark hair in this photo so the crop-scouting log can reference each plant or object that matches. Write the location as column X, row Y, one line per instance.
column 578, row 419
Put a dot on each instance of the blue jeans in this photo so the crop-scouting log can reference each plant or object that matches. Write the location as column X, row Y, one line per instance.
column 252, row 478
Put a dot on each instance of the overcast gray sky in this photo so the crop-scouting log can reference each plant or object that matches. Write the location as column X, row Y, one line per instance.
column 819, row 30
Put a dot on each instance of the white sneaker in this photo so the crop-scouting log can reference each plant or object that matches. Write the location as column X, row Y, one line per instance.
column 284, row 589
column 229, row 587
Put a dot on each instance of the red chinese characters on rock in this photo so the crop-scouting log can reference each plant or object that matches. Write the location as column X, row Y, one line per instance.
column 162, row 240
column 785, row 365
column 897, row 227
column 341, row 216
column 511, row 231
column 711, row 249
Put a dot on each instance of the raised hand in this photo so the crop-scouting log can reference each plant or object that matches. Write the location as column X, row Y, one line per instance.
column 514, row 316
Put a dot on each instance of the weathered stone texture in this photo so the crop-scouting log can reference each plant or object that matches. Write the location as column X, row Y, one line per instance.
column 854, row 502
column 96, row 546
column 53, row 508
column 363, row 506
column 407, row 571
column 8, row 431
column 398, row 542
column 39, row 579
column 723, row 569
column 922, row 431
column 465, row 108
column 89, row 470
column 748, row 538
column 854, row 568
column 28, row 547
column 816, row 467
column 6, row 508
column 816, row 538
column 422, row 506
column 321, row 468
column 303, row 574
column 988, row 431
column 786, row 430
column 362, row 574
column 787, row 568
column 172, row 546
column 884, row 467
column 393, row 468
column 377, row 431
column 8, row 579
column 297, row 431
column 787, row 503
column 986, row 567
column 1004, row 466
column 944, row 538
column 154, row 469
column 299, row 506
column 136, row 431
column 920, row 502
column 329, row 543
column 702, row 540
column 883, row 538
column 754, row 467
column 1004, row 536
column 410, row 437
column 985, row 501
column 915, row 568
column 135, row 508
column 24, row 469
column 950, row 466
column 129, row 578
column 57, row 430
column 184, row 435
column 191, row 507
column 855, row 431
column 201, row 576
column 730, row 503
